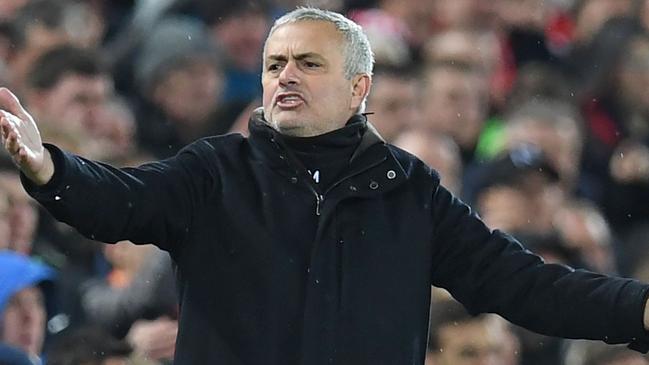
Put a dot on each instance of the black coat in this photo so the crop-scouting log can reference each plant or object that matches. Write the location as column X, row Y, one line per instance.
column 271, row 272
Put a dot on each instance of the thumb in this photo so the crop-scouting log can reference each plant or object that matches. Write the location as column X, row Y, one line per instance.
column 9, row 102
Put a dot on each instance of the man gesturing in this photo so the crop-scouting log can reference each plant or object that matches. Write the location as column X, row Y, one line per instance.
column 313, row 241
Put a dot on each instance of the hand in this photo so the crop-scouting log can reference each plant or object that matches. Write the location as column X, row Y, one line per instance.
column 22, row 140
column 155, row 340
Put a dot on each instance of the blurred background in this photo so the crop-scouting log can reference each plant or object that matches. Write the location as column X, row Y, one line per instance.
column 535, row 112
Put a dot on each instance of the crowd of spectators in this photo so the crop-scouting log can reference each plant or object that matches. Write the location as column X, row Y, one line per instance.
column 535, row 112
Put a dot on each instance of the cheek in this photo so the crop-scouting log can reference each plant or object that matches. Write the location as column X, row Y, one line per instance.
column 10, row 322
column 268, row 92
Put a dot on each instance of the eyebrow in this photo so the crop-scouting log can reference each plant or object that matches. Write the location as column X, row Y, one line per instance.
column 300, row 56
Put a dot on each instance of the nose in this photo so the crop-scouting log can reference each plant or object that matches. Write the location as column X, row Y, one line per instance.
column 289, row 75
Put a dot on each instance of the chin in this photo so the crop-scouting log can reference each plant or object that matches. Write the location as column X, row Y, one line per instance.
column 283, row 121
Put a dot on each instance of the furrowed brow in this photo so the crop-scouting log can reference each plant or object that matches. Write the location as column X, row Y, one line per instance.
column 300, row 56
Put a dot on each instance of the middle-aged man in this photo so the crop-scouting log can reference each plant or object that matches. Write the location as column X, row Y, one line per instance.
column 312, row 241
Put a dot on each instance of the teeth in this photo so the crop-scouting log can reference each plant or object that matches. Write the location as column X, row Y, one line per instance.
column 290, row 99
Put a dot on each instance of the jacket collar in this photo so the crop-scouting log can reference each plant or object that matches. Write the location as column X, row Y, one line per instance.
column 372, row 154
column 271, row 142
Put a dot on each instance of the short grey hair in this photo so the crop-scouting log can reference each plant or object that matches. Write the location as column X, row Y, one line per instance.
column 359, row 58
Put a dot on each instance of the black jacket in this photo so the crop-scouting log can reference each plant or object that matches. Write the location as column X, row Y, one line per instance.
column 271, row 271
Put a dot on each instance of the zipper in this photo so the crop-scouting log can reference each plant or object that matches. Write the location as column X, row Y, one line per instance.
column 318, row 200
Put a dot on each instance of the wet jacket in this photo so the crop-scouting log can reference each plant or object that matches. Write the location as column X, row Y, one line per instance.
column 273, row 271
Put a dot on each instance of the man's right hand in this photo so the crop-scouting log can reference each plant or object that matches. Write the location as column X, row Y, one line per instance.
column 22, row 140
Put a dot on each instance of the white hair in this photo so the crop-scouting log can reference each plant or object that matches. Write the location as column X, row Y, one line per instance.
column 359, row 58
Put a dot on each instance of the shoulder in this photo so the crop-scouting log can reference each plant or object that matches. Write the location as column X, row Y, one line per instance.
column 216, row 147
column 412, row 165
column 222, row 143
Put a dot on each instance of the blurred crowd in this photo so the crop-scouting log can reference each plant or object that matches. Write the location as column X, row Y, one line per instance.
column 535, row 112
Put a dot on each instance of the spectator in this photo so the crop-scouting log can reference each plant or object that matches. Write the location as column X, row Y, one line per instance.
column 89, row 346
column 392, row 102
column 239, row 28
column 67, row 89
column 22, row 214
column 457, row 338
column 517, row 192
column 438, row 152
column 22, row 302
column 555, row 128
column 454, row 100
column 585, row 230
column 39, row 26
column 181, row 85
column 136, row 300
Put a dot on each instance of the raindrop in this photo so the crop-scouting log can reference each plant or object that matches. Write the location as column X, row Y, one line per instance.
column 317, row 281
column 621, row 154
column 189, row 37
column 67, row 187
column 57, row 198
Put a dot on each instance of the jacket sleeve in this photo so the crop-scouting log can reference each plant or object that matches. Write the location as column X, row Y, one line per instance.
column 153, row 203
column 490, row 272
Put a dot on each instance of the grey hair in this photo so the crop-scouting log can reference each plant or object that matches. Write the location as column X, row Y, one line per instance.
column 359, row 58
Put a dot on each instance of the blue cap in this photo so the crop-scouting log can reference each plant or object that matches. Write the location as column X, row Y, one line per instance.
column 18, row 272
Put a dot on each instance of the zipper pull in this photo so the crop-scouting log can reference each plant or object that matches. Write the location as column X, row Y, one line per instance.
column 318, row 199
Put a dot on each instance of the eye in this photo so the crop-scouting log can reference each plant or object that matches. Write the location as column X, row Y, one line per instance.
column 273, row 67
column 311, row 64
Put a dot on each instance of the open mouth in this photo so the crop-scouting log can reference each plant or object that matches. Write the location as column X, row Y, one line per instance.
column 289, row 100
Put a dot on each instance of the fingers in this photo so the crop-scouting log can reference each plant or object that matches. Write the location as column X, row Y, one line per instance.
column 10, row 102
column 10, row 137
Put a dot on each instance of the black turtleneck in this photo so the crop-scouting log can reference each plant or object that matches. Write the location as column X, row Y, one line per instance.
column 326, row 156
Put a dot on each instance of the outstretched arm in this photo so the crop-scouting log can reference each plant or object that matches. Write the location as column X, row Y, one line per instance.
column 21, row 138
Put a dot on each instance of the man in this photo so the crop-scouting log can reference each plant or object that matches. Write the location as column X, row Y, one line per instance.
column 66, row 90
column 457, row 338
column 312, row 241
column 22, row 302
column 393, row 102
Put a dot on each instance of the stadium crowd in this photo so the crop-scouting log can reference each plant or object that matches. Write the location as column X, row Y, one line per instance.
column 535, row 112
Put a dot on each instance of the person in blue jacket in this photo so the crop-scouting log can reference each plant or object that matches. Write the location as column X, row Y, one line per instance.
column 22, row 306
column 313, row 241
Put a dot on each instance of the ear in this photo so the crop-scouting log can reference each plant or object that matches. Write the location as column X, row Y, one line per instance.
column 360, row 89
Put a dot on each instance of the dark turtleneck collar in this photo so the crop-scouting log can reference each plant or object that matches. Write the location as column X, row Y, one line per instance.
column 348, row 136
column 324, row 156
